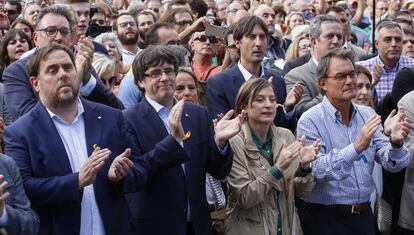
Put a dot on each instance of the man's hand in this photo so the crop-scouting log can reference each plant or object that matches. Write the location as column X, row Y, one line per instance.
column 174, row 120
column 367, row 132
column 293, row 97
column 377, row 73
column 120, row 166
column 227, row 128
column 287, row 155
column 84, row 58
column 308, row 153
column 95, row 162
column 3, row 195
column 391, row 121
column 399, row 128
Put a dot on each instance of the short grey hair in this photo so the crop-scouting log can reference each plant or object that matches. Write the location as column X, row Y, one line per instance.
column 323, row 66
column 101, row 63
column 386, row 24
column 102, row 38
column 56, row 9
column 315, row 28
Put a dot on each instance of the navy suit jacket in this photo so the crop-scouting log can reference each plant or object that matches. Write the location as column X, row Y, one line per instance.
column 161, row 207
column 222, row 91
column 20, row 97
column 53, row 189
column 22, row 220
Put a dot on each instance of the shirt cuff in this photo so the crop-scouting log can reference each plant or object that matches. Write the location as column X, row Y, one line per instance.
column 275, row 172
column 225, row 149
column 87, row 89
column 289, row 115
column 4, row 219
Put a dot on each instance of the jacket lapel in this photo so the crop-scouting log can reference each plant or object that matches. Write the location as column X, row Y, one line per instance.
column 94, row 120
column 44, row 124
column 154, row 123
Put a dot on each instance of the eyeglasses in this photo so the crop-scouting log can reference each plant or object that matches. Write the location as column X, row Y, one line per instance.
column 184, row 22
column 305, row 47
column 342, row 76
column 158, row 73
column 232, row 47
column 126, row 24
column 52, row 31
column 233, row 10
column 110, row 81
column 156, row 10
column 203, row 38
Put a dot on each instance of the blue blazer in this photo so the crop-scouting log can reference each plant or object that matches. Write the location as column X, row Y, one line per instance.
column 161, row 207
column 20, row 97
column 34, row 142
column 222, row 91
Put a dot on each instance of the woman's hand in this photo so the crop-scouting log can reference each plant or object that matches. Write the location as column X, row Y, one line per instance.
column 287, row 155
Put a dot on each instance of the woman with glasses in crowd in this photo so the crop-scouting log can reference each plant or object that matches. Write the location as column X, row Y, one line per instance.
column 269, row 168
column 299, row 47
column 106, row 69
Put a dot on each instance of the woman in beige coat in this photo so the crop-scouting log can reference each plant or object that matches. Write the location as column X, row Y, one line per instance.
column 269, row 168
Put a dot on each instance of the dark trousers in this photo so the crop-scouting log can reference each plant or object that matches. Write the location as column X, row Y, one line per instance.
column 324, row 220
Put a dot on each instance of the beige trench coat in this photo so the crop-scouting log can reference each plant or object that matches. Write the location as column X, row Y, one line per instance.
column 252, row 188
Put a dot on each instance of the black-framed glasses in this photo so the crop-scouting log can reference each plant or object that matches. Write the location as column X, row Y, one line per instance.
column 332, row 2
column 52, row 31
column 126, row 24
column 184, row 22
column 158, row 73
column 110, row 81
column 342, row 76
column 156, row 10
column 203, row 38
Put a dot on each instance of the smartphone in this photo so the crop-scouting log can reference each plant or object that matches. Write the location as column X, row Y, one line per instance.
column 217, row 31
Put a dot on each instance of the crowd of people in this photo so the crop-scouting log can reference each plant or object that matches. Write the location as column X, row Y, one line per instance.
column 193, row 117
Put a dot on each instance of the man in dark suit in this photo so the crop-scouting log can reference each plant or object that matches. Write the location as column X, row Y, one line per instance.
column 75, row 186
column 251, row 37
column 54, row 26
column 326, row 33
column 16, row 217
column 174, row 200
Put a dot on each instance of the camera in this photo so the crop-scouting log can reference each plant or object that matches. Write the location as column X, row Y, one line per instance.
column 94, row 30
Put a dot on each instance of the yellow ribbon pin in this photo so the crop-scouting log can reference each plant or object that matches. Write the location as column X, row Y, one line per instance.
column 94, row 146
column 187, row 135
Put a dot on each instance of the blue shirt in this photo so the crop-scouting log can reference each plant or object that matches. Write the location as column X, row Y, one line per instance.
column 343, row 176
column 128, row 92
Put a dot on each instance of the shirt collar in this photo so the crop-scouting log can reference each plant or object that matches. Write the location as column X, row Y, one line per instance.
column 246, row 74
column 57, row 118
column 315, row 61
column 333, row 112
column 158, row 106
column 128, row 52
column 386, row 68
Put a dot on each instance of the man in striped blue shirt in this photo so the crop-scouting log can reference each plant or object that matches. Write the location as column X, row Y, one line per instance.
column 351, row 140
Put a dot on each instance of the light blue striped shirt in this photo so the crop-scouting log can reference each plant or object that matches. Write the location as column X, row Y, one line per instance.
column 343, row 176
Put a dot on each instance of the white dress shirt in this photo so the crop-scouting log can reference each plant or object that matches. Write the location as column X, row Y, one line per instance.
column 74, row 140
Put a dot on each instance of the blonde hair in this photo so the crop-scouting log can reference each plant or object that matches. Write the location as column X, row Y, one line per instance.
column 293, row 50
column 102, row 63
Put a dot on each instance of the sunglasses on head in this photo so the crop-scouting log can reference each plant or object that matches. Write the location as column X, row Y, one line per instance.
column 203, row 38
